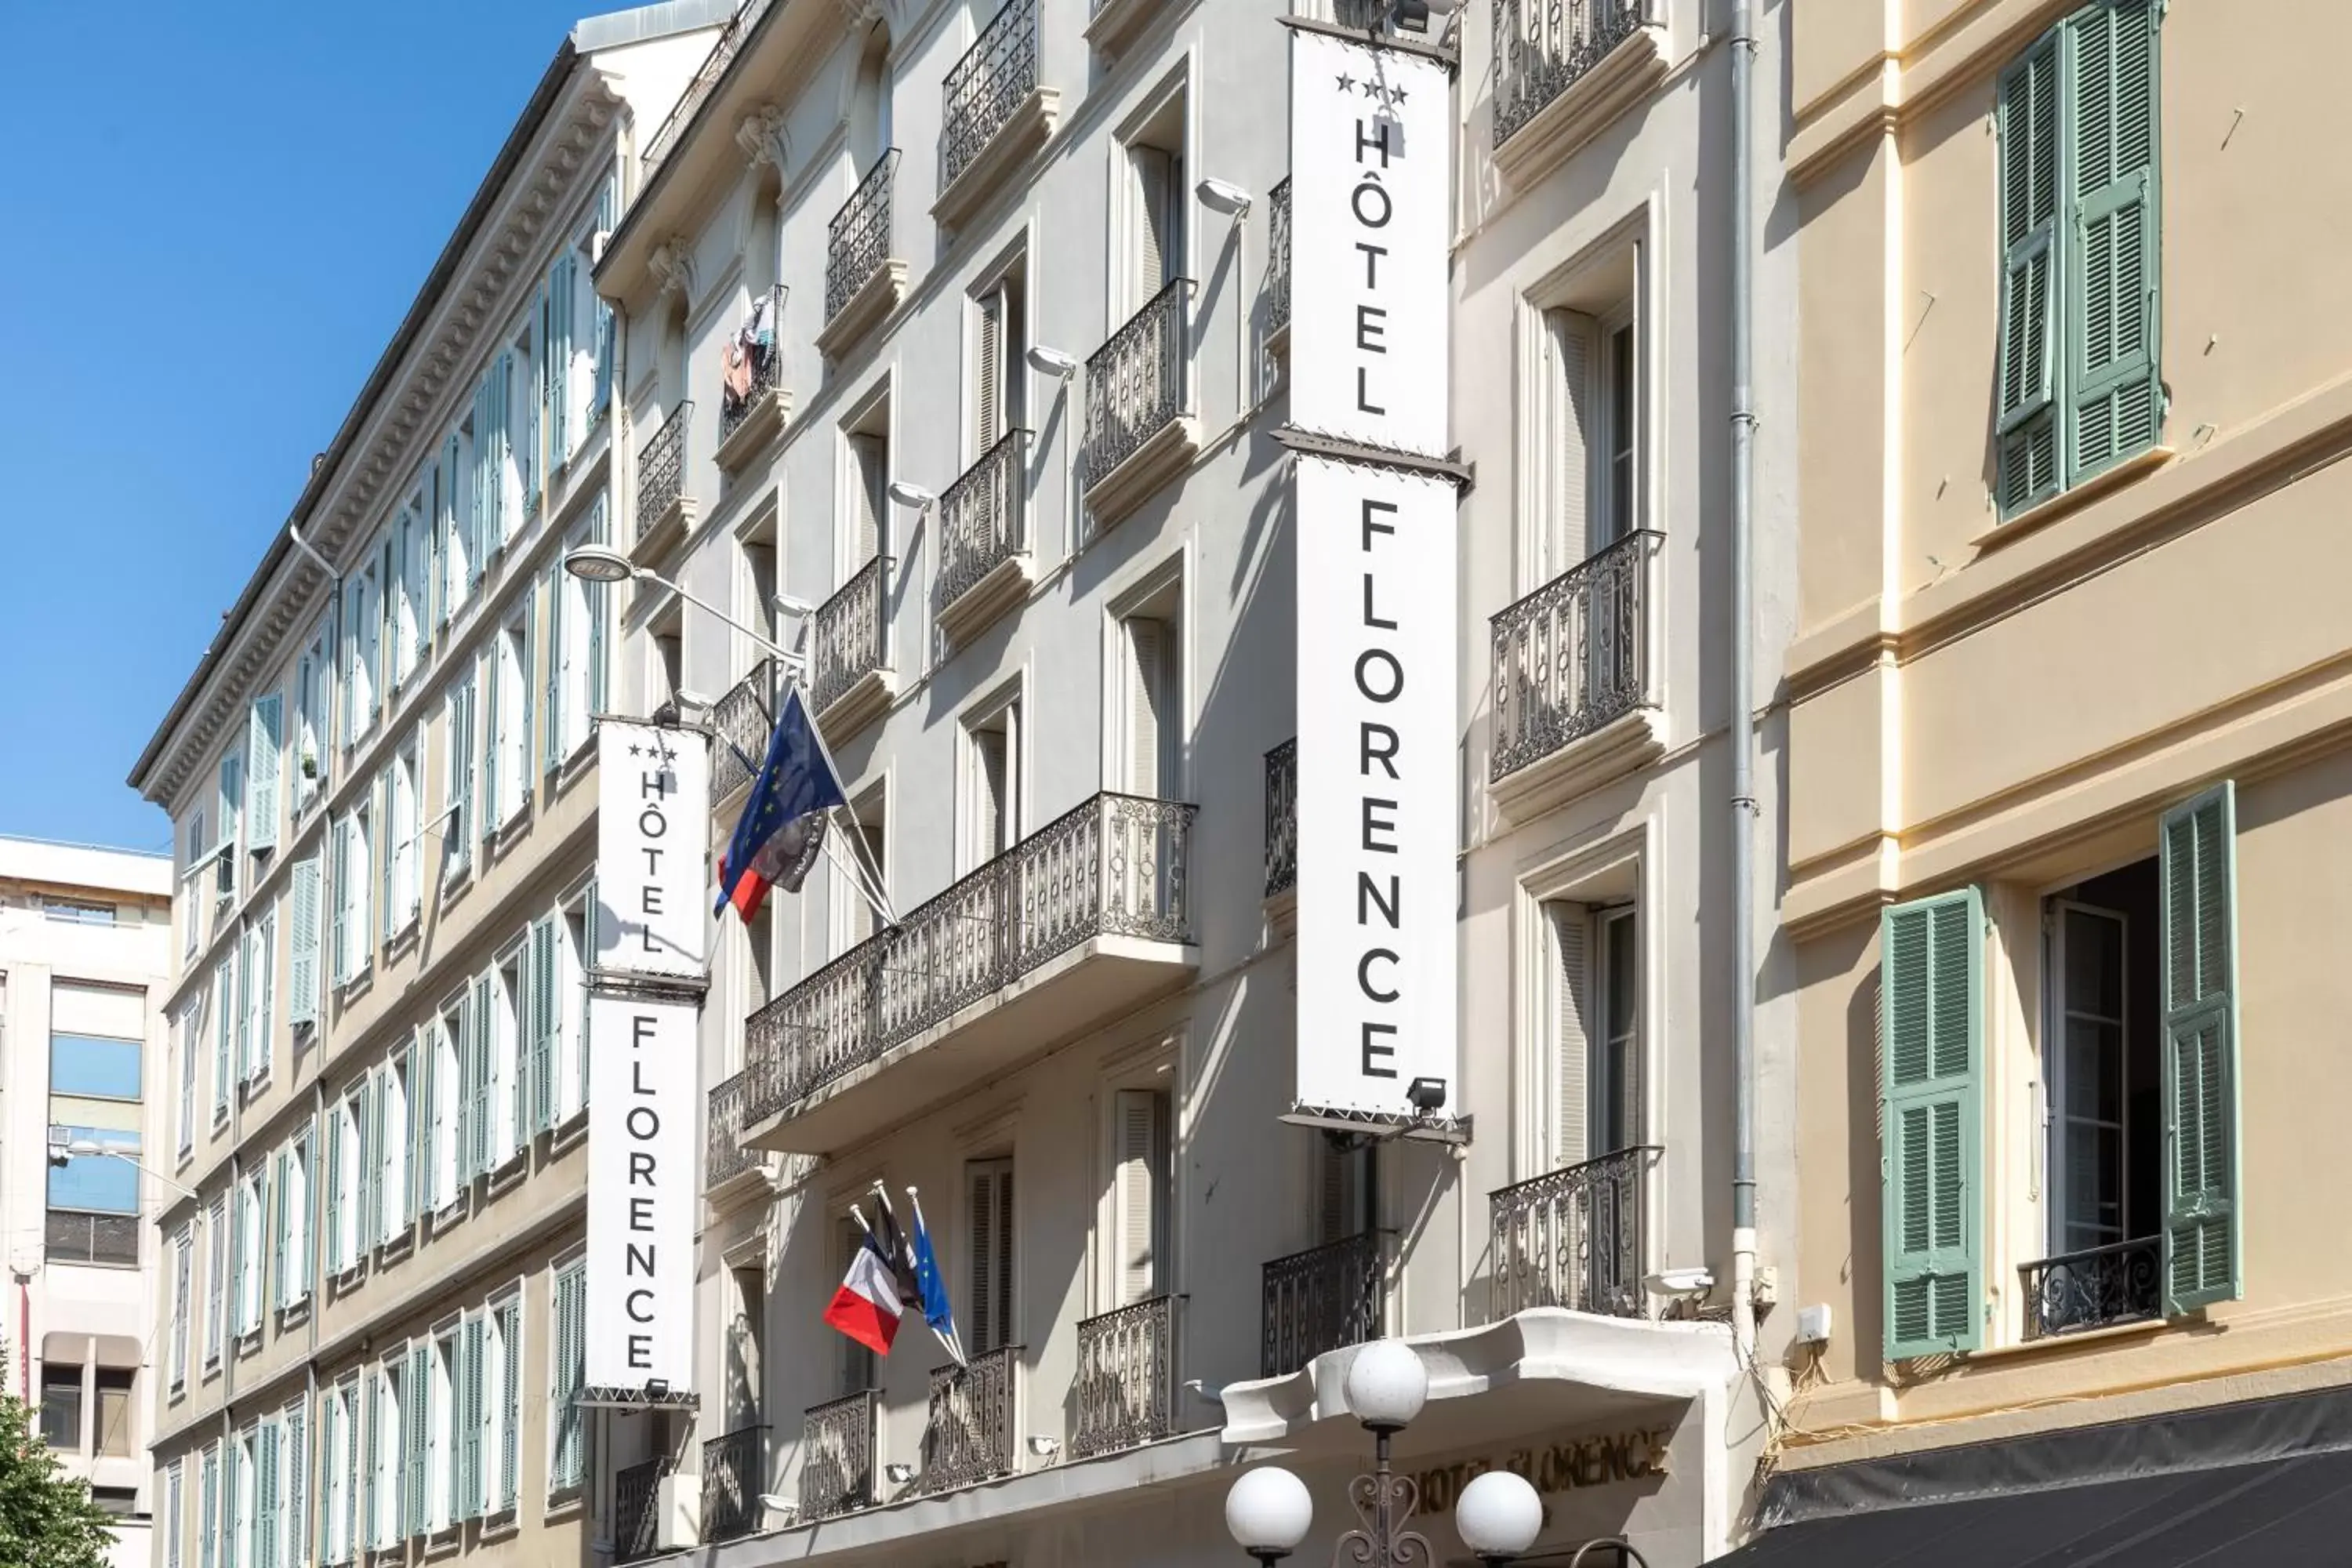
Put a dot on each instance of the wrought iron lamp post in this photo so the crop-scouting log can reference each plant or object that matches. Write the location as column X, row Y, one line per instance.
column 1269, row 1510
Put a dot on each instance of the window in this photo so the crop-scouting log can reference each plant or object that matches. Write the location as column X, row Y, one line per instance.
column 1157, row 195
column 567, row 1349
column 389, row 1491
column 291, row 1265
column 526, row 400
column 208, row 1508
column 402, row 839
column 561, row 376
column 866, row 488
column 438, row 1128
column 224, row 1016
column 576, row 955
column 576, row 650
column 743, row 1301
column 252, row 1209
column 501, row 1377
column 455, row 560
column 441, row 1478
column 393, row 1133
column 114, row 1387
column 173, row 1512
column 184, row 1263
column 216, row 1248
column 457, row 785
column 506, row 792
column 1594, row 1080
column 352, row 937
column 96, row 1184
column 340, row 1481
column 76, row 911
column 1151, row 707
column 363, row 642
column 857, row 1360
column 411, row 535
column 347, row 1125
column 1588, row 490
column 854, row 918
column 231, row 807
column 93, row 1068
column 600, row 390
column 988, row 1282
column 311, row 682
column 192, row 889
column 665, row 668
column 191, row 1033
column 264, row 742
column 504, row 1054
column 257, row 1030
column 992, row 784
column 2078, row 385
column 1000, row 341
column 1142, row 1165
column 492, row 482
column 61, row 1405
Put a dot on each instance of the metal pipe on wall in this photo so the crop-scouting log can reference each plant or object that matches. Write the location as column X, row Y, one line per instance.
column 1742, row 726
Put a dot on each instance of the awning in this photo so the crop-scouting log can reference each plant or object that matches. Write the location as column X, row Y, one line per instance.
column 2267, row 1482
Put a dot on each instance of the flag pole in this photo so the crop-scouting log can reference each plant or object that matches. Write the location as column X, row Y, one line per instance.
column 857, row 875
column 878, row 893
column 954, row 1338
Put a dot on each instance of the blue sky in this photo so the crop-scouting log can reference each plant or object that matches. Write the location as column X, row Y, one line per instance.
column 213, row 217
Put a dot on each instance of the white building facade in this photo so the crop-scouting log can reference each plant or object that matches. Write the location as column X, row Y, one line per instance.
column 85, row 963
column 957, row 364
column 381, row 777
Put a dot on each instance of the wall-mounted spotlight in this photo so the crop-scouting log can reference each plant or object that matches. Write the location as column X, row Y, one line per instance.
column 913, row 497
column 1224, row 196
column 1053, row 362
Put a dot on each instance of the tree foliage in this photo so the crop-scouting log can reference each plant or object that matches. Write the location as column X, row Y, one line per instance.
column 46, row 1516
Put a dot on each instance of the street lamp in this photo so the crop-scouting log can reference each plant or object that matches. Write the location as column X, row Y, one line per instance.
column 597, row 563
column 1268, row 1510
column 91, row 1148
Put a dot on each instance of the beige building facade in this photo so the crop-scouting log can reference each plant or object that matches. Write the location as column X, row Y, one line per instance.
column 2065, row 765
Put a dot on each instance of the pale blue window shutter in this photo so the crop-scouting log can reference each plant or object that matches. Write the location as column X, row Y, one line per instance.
column 608, row 218
column 281, row 1279
column 225, row 1011
column 338, row 947
column 2027, row 413
column 503, row 449
column 510, row 1397
column 368, row 1517
column 493, row 742
column 416, row 1394
column 297, row 1492
column 469, row 1417
column 571, row 1349
column 526, row 685
column 208, row 1512
column 485, row 1078
column 336, row 1162
column 263, row 734
column 533, row 410
column 265, row 1042
column 2202, row 1242
column 421, row 1117
column 302, row 980
column 595, row 599
column 267, row 1496
column 559, row 664
column 366, row 1133
column 560, row 284
column 248, row 980
column 544, row 1021
column 2117, row 400
column 1931, row 968
column 429, row 1129
column 456, row 555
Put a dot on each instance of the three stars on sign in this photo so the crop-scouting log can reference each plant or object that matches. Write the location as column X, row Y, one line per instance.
column 1372, row 89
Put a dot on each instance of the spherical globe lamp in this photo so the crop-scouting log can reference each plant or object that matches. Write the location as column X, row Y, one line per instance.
column 1268, row 1512
column 1386, row 1385
column 1498, row 1515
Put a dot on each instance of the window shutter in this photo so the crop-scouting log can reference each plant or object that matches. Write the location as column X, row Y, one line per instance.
column 991, row 809
column 340, row 943
column 1571, row 936
column 429, row 1129
column 337, row 1162
column 526, row 686
column 208, row 1509
column 570, row 1347
column 225, row 1007
column 368, row 1500
column 245, row 978
column 543, row 1023
column 988, row 368
column 1931, row 966
column 469, row 1419
column 298, row 1500
column 562, row 289
column 302, row 981
column 559, row 669
column 281, row 1238
column 1567, row 539
column 2198, row 872
column 1143, row 1135
column 265, row 1036
column 1154, row 176
column 989, row 1214
column 2027, row 422
column 506, row 487
column 2115, row 397
column 593, row 600
column 867, row 497
column 484, row 1080
column 1145, row 709
column 217, row 1242
column 416, row 1391
column 533, row 410
column 261, row 771
column 266, row 1498
column 510, row 1404
column 367, row 1127
column 494, row 745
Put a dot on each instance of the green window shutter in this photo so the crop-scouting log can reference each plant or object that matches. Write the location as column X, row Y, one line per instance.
column 338, row 947
column 510, row 1397
column 2027, row 421
column 298, row 1491
column 336, row 1164
column 248, row 974
column 469, row 1417
column 493, row 743
column 225, row 1007
column 279, row 1278
column 367, row 1149
column 544, row 1021
column 417, row 1398
column 571, row 1349
column 208, row 1509
column 302, row 982
column 553, row 589
column 2198, row 871
column 262, row 739
column 526, row 685
column 1931, row 966
column 368, row 1504
column 2115, row 400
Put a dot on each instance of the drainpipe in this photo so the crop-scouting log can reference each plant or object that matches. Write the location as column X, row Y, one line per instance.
column 1743, row 707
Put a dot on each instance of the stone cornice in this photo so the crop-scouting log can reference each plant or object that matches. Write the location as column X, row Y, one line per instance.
column 405, row 420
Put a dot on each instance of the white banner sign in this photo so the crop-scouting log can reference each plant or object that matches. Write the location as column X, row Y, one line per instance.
column 652, row 851
column 1370, row 174
column 1377, row 786
column 641, row 1193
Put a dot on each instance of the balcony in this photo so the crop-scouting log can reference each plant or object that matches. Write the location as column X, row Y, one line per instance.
column 1563, row 71
column 1277, row 264
column 1112, row 25
column 1321, row 1300
column 1573, row 699
column 1575, row 1238
column 863, row 281
column 753, row 408
column 1282, row 818
column 1125, row 1393
column 1079, row 922
column 2095, row 1289
column 744, row 718
column 722, row 54
column 851, row 681
column 838, row 1456
column 726, row 1165
column 996, row 115
column 971, row 1424
column 637, row 1511
column 984, row 539
column 1140, row 431
column 664, row 512
column 734, row 1474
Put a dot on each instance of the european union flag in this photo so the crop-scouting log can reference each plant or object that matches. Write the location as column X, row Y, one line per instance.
column 782, row 831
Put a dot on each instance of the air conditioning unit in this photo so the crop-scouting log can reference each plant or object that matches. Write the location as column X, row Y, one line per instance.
column 677, row 1518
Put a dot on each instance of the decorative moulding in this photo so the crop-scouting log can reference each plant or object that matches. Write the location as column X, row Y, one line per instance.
column 1584, row 108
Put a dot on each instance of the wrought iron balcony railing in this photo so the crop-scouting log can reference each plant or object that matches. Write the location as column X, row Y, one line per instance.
column 765, row 356
column 723, row 54
column 1116, row 866
column 2122, row 1283
column 734, row 1474
column 636, row 1521
column 661, row 468
column 1543, row 47
column 853, row 633
column 744, row 718
column 1574, row 653
column 1277, row 257
column 986, row 86
column 1574, row 1237
column 857, row 241
column 1141, row 380
column 1323, row 1299
column 1282, row 817
column 724, row 1158
column 1126, row 1386
column 971, row 1425
column 982, row 516
column 837, row 1456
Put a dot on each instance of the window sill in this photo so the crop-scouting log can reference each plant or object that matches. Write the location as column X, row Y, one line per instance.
column 350, row 1280
column 566, row 1502
column 2144, row 1328
column 2066, row 503
column 293, row 1316
column 450, row 1215
column 398, row 1247
column 500, row 1526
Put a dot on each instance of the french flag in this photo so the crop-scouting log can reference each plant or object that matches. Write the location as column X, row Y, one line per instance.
column 868, row 1305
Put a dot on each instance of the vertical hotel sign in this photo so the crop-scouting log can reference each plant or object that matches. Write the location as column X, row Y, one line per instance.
column 653, row 842
column 1369, row 157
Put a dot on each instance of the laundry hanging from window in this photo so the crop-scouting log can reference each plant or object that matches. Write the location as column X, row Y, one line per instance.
column 750, row 356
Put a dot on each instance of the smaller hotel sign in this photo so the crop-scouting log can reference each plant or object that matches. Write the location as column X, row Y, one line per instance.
column 653, row 852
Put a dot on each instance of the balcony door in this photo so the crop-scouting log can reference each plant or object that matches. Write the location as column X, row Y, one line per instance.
column 1596, row 1044
column 1141, row 1144
column 2104, row 1064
